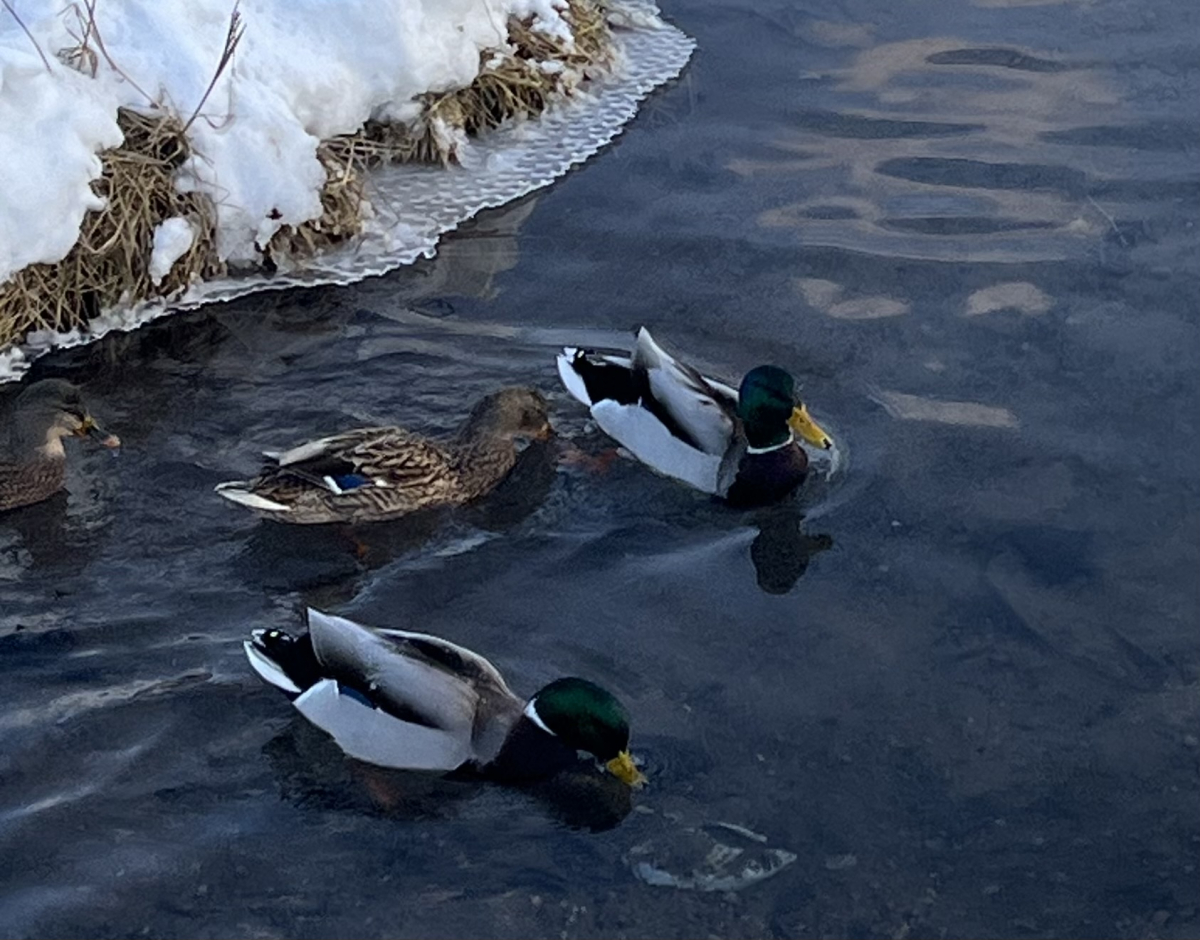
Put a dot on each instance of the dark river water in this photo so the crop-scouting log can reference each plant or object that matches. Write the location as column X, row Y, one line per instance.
column 954, row 689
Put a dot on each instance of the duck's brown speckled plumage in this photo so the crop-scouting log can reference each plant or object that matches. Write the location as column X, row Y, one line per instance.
column 400, row 472
column 31, row 481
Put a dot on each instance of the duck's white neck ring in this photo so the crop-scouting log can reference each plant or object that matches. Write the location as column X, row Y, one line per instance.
column 791, row 439
column 531, row 713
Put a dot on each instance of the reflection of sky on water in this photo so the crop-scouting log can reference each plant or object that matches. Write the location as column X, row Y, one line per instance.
column 957, row 680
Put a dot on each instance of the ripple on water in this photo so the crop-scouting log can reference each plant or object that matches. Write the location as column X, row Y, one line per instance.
column 966, row 651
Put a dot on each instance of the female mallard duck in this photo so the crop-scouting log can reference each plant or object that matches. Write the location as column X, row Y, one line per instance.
column 32, row 457
column 739, row 445
column 411, row 701
column 379, row 473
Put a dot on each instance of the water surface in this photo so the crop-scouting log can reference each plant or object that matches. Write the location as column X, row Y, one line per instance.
column 958, row 680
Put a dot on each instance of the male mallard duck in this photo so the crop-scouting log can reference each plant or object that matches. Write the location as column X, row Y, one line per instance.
column 411, row 701
column 380, row 473
column 32, row 457
column 736, row 444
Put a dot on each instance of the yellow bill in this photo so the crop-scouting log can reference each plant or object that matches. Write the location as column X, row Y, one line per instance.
column 623, row 768
column 803, row 424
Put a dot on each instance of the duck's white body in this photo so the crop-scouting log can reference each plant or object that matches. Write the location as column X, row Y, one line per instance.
column 398, row 699
column 664, row 412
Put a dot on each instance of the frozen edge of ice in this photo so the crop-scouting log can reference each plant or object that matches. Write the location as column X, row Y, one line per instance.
column 503, row 166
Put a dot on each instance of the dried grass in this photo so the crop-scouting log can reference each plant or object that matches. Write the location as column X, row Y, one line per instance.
column 341, row 218
column 508, row 86
column 589, row 26
column 111, row 260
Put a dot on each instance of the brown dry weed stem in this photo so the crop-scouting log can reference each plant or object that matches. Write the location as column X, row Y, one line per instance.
column 232, row 37
column 28, row 34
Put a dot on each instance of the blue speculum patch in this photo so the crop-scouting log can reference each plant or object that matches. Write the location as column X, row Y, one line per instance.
column 354, row 694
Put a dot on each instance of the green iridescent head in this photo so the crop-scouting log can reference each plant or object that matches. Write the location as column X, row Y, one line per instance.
column 588, row 718
column 769, row 410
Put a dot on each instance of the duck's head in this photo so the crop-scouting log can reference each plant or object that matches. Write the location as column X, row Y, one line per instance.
column 770, row 411
column 512, row 412
column 588, row 718
column 53, row 409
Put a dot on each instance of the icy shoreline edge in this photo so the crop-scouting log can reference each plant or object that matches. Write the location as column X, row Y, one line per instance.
column 504, row 165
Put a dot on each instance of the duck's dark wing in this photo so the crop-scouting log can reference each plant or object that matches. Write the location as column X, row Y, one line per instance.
column 409, row 687
column 456, row 661
column 421, row 678
column 497, row 709
column 386, row 457
column 596, row 378
column 25, row 483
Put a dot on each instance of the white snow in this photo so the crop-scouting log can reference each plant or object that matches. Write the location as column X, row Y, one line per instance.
column 51, row 126
column 305, row 70
column 172, row 239
column 547, row 18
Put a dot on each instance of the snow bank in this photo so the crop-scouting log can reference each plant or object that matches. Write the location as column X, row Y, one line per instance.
column 52, row 125
column 305, row 70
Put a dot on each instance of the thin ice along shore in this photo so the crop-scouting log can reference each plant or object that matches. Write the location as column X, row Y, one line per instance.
column 158, row 156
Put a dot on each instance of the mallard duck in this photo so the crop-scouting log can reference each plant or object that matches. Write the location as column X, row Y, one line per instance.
column 32, row 457
column 412, row 701
column 740, row 445
column 371, row 474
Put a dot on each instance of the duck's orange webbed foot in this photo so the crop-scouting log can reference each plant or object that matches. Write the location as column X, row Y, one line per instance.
column 358, row 547
column 600, row 463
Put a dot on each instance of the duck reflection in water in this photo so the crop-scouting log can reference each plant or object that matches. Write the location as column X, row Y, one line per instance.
column 39, row 530
column 312, row 771
column 782, row 549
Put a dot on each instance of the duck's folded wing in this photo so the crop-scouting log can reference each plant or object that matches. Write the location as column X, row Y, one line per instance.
column 455, row 659
column 407, row 685
column 330, row 463
column 401, row 458
column 331, row 453
column 369, row 733
column 497, row 709
column 386, row 457
column 697, row 407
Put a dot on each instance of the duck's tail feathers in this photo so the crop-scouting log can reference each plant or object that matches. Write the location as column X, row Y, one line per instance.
column 239, row 491
column 286, row 662
column 647, row 354
column 591, row 376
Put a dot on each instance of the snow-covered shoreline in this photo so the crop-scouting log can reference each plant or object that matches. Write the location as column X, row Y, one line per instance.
column 267, row 180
